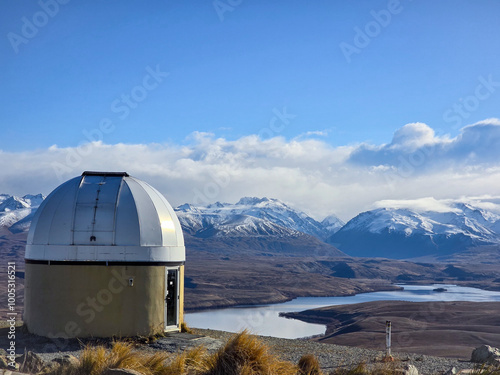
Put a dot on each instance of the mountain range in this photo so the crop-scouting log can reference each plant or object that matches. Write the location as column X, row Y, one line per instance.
column 268, row 226
column 16, row 213
column 400, row 233
column 253, row 216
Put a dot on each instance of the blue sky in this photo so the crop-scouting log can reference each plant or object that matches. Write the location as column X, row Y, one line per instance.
column 241, row 68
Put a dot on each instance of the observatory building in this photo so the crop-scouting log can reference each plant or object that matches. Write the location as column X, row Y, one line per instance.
column 104, row 257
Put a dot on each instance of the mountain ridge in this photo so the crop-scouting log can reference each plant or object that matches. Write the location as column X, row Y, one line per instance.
column 268, row 215
column 402, row 233
column 270, row 226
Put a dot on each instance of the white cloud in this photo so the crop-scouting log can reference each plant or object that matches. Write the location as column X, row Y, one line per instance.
column 419, row 205
column 308, row 173
column 414, row 136
column 415, row 147
column 318, row 133
column 486, row 202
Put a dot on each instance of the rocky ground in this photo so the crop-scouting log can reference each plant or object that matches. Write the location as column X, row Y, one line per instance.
column 330, row 356
column 334, row 356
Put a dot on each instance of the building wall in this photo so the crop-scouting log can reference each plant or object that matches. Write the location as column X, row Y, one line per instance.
column 98, row 301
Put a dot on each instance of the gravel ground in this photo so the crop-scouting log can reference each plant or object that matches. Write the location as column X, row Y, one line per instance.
column 330, row 356
column 334, row 356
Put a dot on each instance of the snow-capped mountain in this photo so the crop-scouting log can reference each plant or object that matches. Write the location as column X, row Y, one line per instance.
column 332, row 223
column 403, row 233
column 270, row 226
column 253, row 216
column 266, row 225
column 16, row 212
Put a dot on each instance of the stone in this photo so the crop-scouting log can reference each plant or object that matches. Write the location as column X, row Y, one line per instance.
column 67, row 360
column 121, row 371
column 486, row 354
column 8, row 372
column 407, row 369
column 451, row 371
column 3, row 363
column 50, row 367
column 30, row 362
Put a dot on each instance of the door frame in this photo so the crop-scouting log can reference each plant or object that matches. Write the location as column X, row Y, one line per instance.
column 177, row 291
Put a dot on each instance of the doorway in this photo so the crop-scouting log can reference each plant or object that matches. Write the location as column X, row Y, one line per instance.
column 171, row 298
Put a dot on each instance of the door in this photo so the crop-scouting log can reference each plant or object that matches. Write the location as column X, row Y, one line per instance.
column 172, row 297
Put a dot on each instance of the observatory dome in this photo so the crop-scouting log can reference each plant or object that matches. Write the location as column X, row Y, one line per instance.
column 105, row 216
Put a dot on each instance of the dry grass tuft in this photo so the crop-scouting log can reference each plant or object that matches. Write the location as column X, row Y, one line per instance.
column 309, row 365
column 92, row 361
column 95, row 360
column 486, row 370
column 360, row 369
column 192, row 362
column 185, row 328
column 245, row 354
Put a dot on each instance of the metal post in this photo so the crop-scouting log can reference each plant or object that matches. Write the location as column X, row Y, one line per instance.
column 388, row 338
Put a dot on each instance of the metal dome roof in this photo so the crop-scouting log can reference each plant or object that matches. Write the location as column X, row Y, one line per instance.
column 105, row 216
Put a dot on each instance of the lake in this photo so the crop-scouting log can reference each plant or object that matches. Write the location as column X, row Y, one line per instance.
column 265, row 320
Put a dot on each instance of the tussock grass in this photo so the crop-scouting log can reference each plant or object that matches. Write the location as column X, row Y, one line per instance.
column 192, row 362
column 486, row 370
column 309, row 365
column 96, row 360
column 360, row 369
column 185, row 328
column 244, row 354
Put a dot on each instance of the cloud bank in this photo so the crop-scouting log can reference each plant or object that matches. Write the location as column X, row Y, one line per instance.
column 486, row 202
column 307, row 173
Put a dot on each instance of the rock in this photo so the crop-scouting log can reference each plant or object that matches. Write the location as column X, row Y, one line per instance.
column 486, row 354
column 3, row 363
column 30, row 362
column 121, row 371
column 67, row 360
column 451, row 371
column 407, row 370
column 50, row 367
column 8, row 372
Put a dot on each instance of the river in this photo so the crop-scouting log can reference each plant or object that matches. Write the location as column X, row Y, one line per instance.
column 265, row 320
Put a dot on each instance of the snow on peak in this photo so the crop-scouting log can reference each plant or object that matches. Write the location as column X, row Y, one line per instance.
column 186, row 207
column 463, row 220
column 16, row 212
column 332, row 223
column 13, row 203
column 271, row 211
column 252, row 201
column 401, row 232
column 34, row 200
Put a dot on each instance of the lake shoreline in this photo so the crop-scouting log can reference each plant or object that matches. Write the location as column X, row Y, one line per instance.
column 271, row 301
column 449, row 329
column 376, row 287
column 298, row 318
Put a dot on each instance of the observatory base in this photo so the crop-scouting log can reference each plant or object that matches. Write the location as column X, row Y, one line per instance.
column 80, row 300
